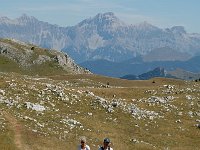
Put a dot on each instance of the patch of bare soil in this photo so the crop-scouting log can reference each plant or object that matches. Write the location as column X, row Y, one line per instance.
column 17, row 129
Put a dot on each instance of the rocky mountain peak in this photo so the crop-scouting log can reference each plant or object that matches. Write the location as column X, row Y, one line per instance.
column 146, row 26
column 26, row 19
column 108, row 18
column 178, row 30
column 104, row 20
column 3, row 18
column 6, row 20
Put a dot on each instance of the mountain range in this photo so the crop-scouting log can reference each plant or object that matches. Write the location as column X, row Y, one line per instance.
column 106, row 37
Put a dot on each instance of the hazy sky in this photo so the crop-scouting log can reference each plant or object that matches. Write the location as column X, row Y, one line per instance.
column 162, row 13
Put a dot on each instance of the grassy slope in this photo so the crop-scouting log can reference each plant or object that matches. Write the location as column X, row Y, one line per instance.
column 6, row 65
column 47, row 68
column 161, row 133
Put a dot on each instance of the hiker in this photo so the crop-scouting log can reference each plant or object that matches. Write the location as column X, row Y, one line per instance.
column 106, row 145
column 83, row 145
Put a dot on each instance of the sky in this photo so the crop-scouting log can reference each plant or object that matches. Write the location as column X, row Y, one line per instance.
column 161, row 13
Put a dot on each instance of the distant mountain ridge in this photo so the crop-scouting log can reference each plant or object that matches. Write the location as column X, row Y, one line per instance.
column 161, row 72
column 103, row 36
column 157, row 72
column 137, row 66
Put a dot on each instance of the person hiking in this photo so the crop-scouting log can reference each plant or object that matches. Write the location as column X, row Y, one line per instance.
column 83, row 145
column 106, row 145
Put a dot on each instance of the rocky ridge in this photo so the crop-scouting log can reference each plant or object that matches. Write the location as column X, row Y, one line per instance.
column 28, row 56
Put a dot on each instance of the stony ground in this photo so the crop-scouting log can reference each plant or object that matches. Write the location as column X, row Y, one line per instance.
column 53, row 112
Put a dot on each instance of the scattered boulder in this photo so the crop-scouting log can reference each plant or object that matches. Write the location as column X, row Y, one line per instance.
column 36, row 107
column 198, row 126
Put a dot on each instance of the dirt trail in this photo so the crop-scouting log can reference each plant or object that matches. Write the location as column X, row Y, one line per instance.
column 17, row 129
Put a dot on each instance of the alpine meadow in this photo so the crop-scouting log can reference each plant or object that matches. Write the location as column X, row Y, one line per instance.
column 89, row 74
